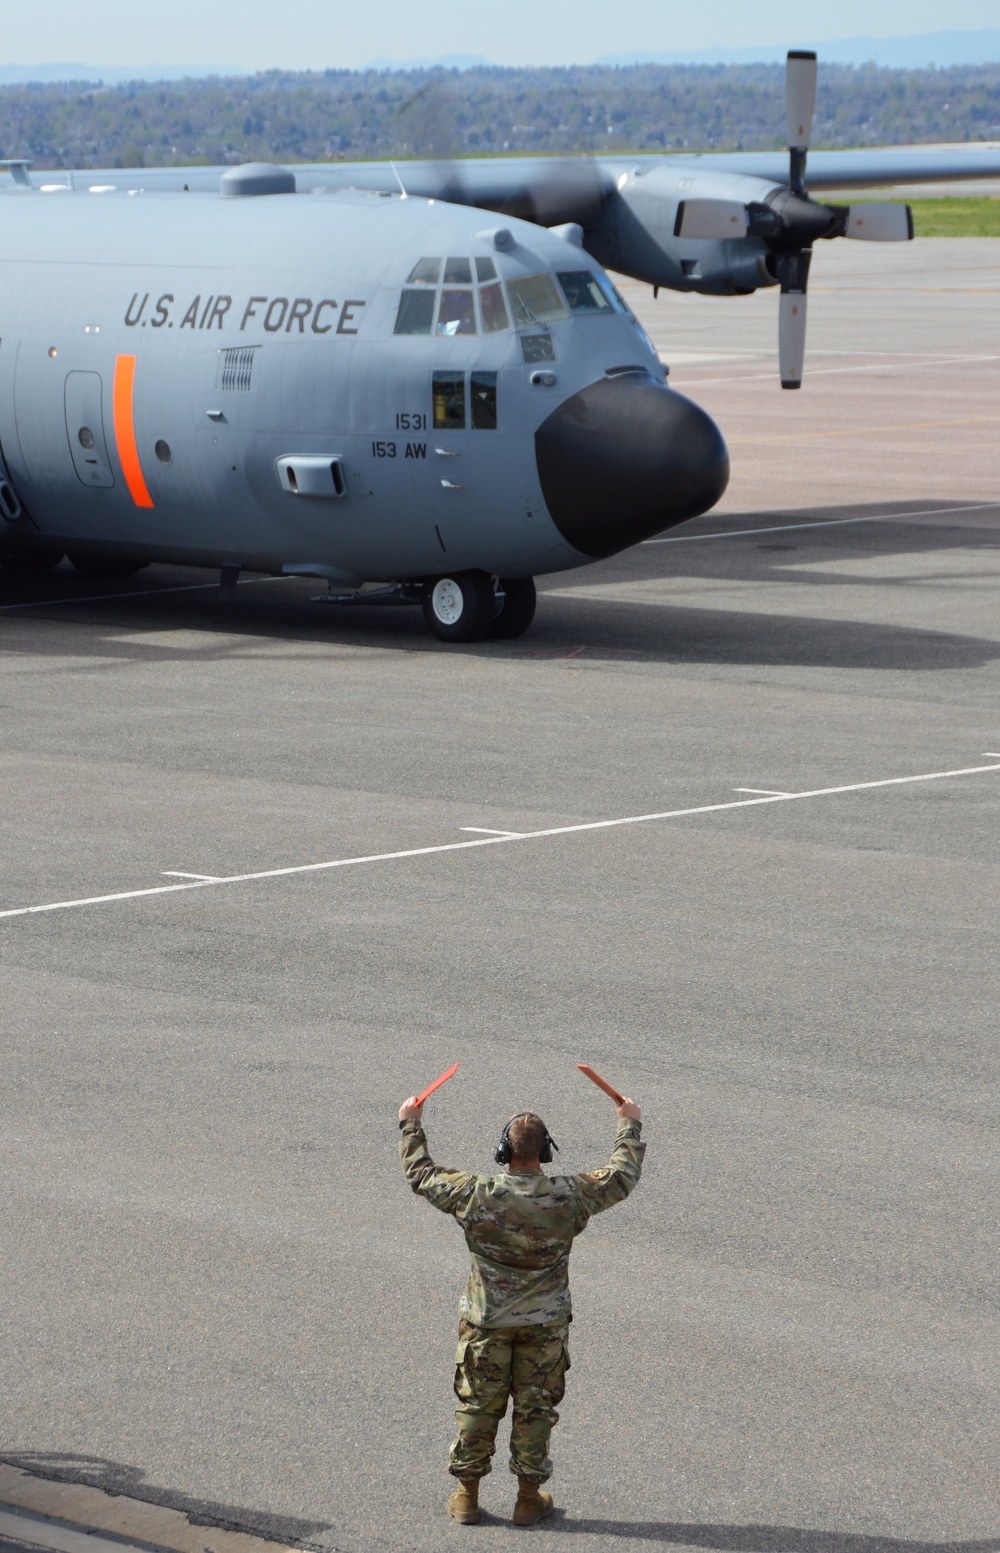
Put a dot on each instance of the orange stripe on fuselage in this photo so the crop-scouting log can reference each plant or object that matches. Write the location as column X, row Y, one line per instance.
column 128, row 453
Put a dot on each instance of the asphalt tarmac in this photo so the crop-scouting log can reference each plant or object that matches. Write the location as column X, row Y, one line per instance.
column 217, row 1292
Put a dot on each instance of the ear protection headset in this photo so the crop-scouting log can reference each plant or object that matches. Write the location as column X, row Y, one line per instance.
column 502, row 1151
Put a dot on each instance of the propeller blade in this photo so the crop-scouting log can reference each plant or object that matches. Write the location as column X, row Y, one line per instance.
column 708, row 219
column 800, row 96
column 877, row 223
column 791, row 337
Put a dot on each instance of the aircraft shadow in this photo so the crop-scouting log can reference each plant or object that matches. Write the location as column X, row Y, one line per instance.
column 115, row 1478
column 565, row 626
column 760, row 1539
column 776, row 541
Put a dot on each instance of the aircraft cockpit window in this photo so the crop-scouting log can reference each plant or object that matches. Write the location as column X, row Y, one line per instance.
column 537, row 347
column 485, row 270
column 493, row 308
column 426, row 272
column 449, row 401
column 458, row 272
column 582, row 292
column 617, row 299
column 457, row 313
column 416, row 312
column 535, row 299
column 484, row 401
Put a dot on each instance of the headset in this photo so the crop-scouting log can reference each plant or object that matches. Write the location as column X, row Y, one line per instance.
column 502, row 1151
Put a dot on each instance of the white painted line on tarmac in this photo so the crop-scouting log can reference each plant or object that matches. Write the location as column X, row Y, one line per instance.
column 60, row 1539
column 142, row 593
column 174, row 873
column 907, row 365
column 482, row 831
column 781, row 528
column 494, row 841
column 764, row 792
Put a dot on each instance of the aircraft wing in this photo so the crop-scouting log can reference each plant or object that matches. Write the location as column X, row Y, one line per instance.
column 861, row 169
column 554, row 189
column 547, row 190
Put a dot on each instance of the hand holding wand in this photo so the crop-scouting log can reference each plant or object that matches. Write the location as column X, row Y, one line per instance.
column 626, row 1108
column 410, row 1109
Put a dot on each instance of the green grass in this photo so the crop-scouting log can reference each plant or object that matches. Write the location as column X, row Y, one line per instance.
column 950, row 217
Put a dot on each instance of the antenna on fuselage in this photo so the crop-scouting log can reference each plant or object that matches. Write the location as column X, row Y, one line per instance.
column 395, row 172
column 18, row 169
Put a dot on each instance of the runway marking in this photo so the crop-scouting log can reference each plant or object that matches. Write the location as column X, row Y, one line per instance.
column 857, row 431
column 764, row 792
column 915, row 358
column 173, row 873
column 780, row 528
column 141, row 593
column 44, row 1533
column 482, row 831
column 493, row 841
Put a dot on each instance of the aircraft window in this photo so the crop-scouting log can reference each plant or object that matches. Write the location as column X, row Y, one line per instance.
column 416, row 312
column 537, row 347
column 449, row 401
column 493, row 308
column 457, row 314
column 162, row 451
column 458, row 272
column 617, row 299
column 582, row 292
column 534, row 299
column 86, row 437
column 485, row 269
column 484, row 401
column 426, row 271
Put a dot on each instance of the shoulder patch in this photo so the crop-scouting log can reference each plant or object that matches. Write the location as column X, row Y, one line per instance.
column 597, row 1175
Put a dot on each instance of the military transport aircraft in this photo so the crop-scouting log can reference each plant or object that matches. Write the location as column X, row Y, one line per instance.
column 384, row 383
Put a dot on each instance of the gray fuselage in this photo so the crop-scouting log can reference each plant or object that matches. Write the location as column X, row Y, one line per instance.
column 211, row 381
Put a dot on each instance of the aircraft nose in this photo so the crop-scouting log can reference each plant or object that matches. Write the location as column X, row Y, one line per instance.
column 624, row 458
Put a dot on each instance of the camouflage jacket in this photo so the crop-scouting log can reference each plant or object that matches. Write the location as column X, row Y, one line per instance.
column 520, row 1226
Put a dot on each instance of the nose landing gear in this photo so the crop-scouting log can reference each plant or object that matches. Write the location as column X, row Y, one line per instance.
column 517, row 610
column 471, row 606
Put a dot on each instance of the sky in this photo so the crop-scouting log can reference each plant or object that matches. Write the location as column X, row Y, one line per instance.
column 324, row 34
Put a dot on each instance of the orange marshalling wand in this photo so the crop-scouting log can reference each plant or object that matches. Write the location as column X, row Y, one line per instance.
column 437, row 1083
column 595, row 1078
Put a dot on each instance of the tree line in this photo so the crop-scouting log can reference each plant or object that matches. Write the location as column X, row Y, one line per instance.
column 322, row 115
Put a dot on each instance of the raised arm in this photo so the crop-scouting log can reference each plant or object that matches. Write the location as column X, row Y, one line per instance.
column 601, row 1189
column 448, row 1190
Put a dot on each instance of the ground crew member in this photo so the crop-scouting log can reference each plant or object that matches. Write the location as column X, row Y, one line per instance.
column 515, row 1313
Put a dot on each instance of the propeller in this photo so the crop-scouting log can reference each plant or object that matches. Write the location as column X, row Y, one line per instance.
column 790, row 221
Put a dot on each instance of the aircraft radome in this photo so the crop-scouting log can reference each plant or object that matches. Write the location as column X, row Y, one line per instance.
column 417, row 388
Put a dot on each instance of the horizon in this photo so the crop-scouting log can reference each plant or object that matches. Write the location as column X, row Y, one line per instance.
column 392, row 40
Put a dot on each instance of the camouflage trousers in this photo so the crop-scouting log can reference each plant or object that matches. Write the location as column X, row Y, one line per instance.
column 527, row 1363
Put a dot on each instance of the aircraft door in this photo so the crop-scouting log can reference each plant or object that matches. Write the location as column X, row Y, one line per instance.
column 85, row 429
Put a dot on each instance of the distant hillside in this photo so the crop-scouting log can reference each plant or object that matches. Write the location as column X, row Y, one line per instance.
column 75, row 70
column 313, row 116
column 917, row 52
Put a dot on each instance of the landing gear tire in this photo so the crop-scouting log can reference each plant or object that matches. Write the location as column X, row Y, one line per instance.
column 94, row 566
column 460, row 608
column 30, row 560
column 517, row 610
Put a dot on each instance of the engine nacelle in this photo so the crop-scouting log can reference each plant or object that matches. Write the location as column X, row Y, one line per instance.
column 635, row 232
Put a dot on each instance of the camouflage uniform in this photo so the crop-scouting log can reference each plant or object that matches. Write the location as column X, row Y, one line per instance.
column 515, row 1312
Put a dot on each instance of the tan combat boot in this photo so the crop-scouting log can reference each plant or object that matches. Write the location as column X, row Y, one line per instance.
column 532, row 1503
column 464, row 1502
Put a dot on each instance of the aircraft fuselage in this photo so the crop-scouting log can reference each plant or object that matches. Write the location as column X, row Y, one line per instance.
column 243, row 381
